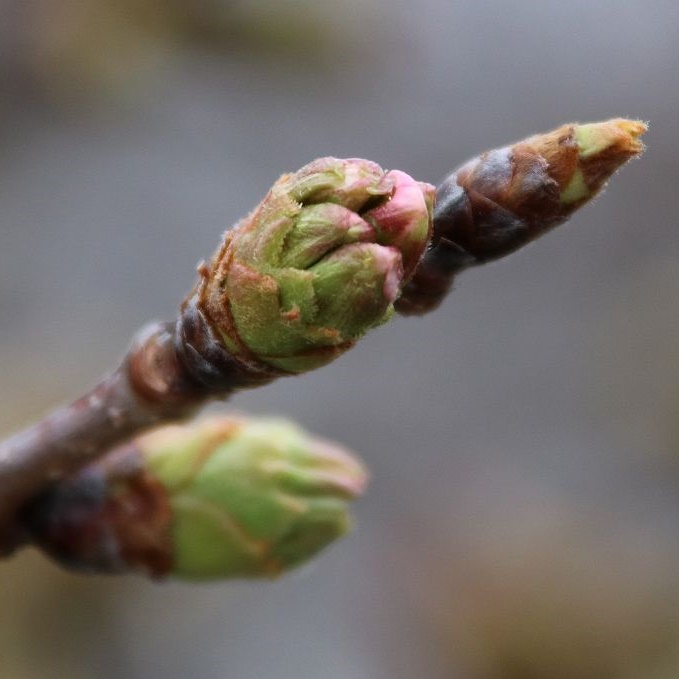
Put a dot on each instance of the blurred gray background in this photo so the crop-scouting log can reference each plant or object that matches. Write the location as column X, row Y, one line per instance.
column 523, row 516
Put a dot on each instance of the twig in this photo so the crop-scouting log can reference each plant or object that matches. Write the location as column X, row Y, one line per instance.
column 488, row 208
column 168, row 373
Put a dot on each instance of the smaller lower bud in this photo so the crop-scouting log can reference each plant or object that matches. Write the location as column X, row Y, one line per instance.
column 223, row 497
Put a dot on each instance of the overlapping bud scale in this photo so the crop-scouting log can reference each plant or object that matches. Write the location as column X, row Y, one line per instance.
column 318, row 263
column 506, row 198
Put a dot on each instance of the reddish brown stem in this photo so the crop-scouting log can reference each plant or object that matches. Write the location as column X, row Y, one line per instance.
column 168, row 373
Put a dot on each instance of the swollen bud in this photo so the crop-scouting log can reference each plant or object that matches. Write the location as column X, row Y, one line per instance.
column 317, row 264
column 223, row 497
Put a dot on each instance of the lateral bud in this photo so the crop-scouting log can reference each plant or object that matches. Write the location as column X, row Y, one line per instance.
column 224, row 497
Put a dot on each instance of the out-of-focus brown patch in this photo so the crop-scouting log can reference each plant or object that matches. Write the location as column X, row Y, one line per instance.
column 141, row 516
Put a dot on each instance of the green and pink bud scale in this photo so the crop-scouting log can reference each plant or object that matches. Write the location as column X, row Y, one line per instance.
column 318, row 263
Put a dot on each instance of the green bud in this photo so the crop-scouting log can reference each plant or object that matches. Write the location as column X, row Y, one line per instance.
column 224, row 497
column 318, row 263
column 250, row 497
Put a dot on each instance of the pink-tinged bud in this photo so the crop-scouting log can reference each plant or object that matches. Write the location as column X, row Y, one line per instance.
column 317, row 264
column 404, row 220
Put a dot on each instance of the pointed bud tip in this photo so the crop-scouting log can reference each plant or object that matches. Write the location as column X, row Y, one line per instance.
column 620, row 135
column 505, row 198
column 603, row 148
column 580, row 158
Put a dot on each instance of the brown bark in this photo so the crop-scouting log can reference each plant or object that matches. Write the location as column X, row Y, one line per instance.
column 169, row 372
